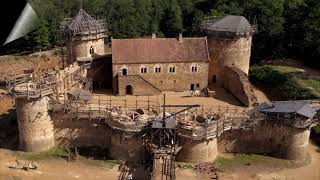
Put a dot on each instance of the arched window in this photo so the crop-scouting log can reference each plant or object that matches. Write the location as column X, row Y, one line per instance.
column 194, row 67
column 124, row 70
column 91, row 50
column 172, row 68
column 157, row 68
column 143, row 69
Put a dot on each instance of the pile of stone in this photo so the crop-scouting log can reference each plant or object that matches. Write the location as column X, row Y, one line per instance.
column 207, row 169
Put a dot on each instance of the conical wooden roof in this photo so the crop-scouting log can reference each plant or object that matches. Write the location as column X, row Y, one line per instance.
column 84, row 24
column 231, row 26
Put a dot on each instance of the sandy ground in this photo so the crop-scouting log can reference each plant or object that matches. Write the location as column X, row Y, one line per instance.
column 6, row 103
column 222, row 98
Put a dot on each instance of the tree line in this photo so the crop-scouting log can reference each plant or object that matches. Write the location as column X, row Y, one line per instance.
column 287, row 28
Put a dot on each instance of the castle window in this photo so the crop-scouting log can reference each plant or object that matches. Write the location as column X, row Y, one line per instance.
column 143, row 69
column 172, row 69
column 124, row 70
column 157, row 68
column 91, row 50
column 194, row 67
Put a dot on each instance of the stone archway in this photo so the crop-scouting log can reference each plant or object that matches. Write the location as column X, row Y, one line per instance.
column 129, row 90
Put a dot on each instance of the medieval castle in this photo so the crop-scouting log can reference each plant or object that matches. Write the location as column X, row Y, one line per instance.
column 58, row 109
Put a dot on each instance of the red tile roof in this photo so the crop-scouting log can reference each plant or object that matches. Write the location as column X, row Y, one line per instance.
column 159, row 50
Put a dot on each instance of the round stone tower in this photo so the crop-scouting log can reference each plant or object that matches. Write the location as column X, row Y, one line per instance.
column 84, row 37
column 229, row 44
column 34, row 124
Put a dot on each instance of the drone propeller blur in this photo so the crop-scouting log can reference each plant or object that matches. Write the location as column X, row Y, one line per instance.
column 26, row 23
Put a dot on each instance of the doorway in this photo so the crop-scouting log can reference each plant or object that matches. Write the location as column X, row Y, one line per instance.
column 192, row 87
column 129, row 90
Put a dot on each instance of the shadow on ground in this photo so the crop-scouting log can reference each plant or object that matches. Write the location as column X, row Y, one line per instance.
column 134, row 171
column 9, row 130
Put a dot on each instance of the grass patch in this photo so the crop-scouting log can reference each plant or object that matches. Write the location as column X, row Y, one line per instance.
column 313, row 85
column 184, row 165
column 55, row 153
column 62, row 153
column 224, row 164
column 286, row 69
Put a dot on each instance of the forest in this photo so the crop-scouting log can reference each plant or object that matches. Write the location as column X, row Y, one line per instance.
column 287, row 28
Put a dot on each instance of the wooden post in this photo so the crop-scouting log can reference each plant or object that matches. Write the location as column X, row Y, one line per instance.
column 136, row 102
column 202, row 109
column 148, row 103
column 40, row 90
column 99, row 104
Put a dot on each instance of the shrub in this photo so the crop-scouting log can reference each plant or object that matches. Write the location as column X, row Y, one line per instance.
column 317, row 129
column 266, row 74
column 280, row 86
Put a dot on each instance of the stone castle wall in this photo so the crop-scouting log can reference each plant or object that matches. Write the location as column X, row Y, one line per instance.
column 80, row 132
column 34, row 124
column 39, row 133
column 95, row 133
column 198, row 150
column 280, row 141
column 228, row 52
column 237, row 82
column 80, row 48
column 180, row 80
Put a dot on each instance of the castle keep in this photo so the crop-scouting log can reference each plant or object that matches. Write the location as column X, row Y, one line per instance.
column 59, row 109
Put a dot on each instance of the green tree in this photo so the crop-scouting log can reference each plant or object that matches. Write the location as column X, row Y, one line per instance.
column 197, row 20
column 143, row 16
column 171, row 24
column 121, row 19
column 41, row 35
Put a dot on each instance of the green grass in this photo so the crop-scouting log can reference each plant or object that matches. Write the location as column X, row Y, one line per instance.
column 59, row 153
column 286, row 69
column 313, row 85
column 246, row 160
column 184, row 165
column 55, row 153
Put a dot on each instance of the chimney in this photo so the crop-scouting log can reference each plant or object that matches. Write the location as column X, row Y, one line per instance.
column 154, row 36
column 180, row 37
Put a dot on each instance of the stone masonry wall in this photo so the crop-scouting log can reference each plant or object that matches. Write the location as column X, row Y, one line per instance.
column 237, row 83
column 34, row 124
column 181, row 80
column 140, row 86
column 228, row 52
column 280, row 141
column 81, row 47
column 80, row 132
column 198, row 151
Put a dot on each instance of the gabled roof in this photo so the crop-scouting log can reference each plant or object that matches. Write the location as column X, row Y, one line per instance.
column 83, row 24
column 298, row 107
column 234, row 25
column 159, row 50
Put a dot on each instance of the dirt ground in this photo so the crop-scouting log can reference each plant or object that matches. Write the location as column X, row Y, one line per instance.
column 12, row 66
column 60, row 169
